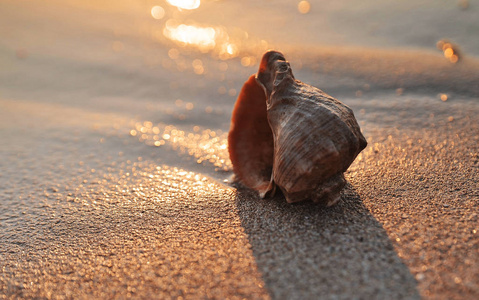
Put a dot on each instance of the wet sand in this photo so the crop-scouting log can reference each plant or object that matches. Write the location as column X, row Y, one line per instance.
column 89, row 213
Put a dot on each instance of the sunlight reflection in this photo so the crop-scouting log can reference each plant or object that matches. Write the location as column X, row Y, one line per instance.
column 230, row 49
column 443, row 97
column 185, row 4
column 157, row 12
column 304, row 7
column 205, row 39
column 206, row 145
column 450, row 50
column 221, row 42
column 201, row 37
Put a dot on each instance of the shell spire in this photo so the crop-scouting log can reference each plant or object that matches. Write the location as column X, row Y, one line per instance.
column 287, row 134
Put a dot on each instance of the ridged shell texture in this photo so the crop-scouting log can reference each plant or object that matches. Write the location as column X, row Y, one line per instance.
column 289, row 135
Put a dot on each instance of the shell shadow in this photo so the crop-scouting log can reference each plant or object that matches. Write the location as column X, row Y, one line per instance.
column 305, row 251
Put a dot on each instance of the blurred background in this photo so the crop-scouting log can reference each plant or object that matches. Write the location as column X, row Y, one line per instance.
column 181, row 63
column 182, row 59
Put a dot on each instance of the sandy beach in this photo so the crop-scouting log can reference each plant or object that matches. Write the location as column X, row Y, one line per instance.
column 115, row 180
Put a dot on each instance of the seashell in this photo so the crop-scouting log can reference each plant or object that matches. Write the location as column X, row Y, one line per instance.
column 289, row 135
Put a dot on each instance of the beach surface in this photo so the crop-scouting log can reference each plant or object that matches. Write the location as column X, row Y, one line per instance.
column 115, row 180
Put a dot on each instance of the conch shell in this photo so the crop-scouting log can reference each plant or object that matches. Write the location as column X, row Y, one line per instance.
column 287, row 134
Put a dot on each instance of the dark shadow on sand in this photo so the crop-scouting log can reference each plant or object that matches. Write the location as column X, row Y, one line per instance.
column 305, row 251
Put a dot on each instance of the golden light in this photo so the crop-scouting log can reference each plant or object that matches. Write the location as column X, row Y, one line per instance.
column 185, row 4
column 450, row 50
column 248, row 61
column 231, row 49
column 446, row 46
column 205, row 145
column 448, row 53
column 304, row 7
column 451, row 54
column 157, row 12
column 201, row 37
column 204, row 38
column 228, row 50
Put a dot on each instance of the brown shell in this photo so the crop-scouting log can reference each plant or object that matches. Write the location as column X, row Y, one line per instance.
column 289, row 134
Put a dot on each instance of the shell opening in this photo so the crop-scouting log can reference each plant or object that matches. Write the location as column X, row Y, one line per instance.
column 250, row 140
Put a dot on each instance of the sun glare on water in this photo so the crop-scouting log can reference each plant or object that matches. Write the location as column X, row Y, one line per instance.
column 185, row 4
column 450, row 50
column 157, row 12
column 222, row 42
column 204, row 38
column 304, row 7
column 201, row 37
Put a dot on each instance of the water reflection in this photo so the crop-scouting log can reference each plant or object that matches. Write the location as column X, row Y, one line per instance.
column 204, row 38
column 157, row 12
column 450, row 50
column 304, row 7
column 204, row 145
column 185, row 4
column 223, row 43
